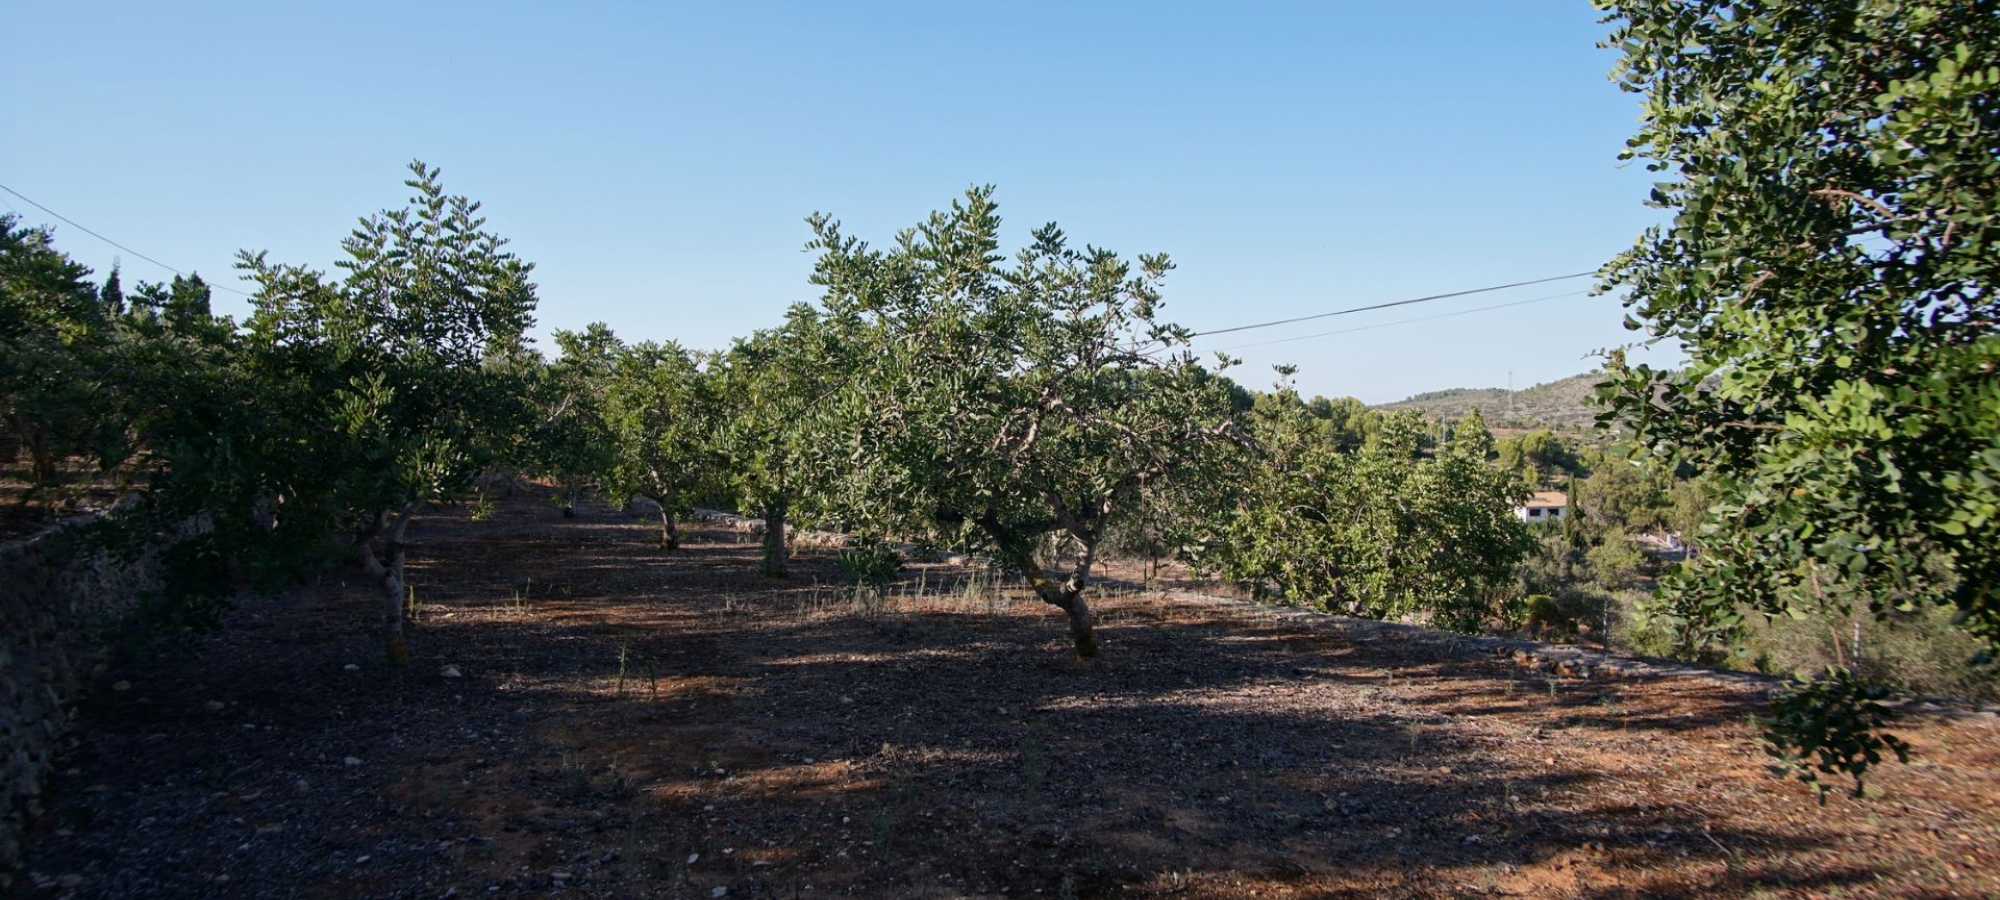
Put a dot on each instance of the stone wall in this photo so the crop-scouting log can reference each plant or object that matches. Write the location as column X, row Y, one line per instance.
column 53, row 606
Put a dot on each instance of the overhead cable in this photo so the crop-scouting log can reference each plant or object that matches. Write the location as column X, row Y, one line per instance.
column 1357, row 309
column 1307, row 337
column 74, row 224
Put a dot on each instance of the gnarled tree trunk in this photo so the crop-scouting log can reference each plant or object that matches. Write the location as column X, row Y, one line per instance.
column 1066, row 595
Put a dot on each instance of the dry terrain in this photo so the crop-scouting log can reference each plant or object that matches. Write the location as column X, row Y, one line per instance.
column 588, row 716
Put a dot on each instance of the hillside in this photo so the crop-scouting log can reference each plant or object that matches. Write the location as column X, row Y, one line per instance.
column 1564, row 405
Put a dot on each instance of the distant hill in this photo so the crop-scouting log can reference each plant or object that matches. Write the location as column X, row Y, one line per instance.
column 1559, row 405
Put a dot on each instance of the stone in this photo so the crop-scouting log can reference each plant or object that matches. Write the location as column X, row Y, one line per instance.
column 450, row 672
column 352, row 761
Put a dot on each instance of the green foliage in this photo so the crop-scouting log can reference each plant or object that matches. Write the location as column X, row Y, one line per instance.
column 1006, row 403
column 1378, row 532
column 1830, row 725
column 665, row 413
column 57, row 355
column 572, row 441
column 1539, row 458
column 784, row 393
column 1918, row 651
column 1830, row 270
column 866, row 563
column 392, row 387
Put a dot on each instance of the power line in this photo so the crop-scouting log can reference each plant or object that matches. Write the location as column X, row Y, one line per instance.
column 74, row 224
column 1307, row 337
column 1344, row 312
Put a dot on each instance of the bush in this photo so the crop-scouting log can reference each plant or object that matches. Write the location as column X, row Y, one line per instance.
column 1918, row 651
column 1830, row 724
column 869, row 563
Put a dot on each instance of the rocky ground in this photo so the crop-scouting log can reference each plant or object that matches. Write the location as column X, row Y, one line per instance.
column 589, row 716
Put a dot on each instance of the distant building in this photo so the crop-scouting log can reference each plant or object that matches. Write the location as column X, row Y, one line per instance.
column 1543, row 506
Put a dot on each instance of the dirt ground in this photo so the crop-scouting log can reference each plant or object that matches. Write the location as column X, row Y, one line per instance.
column 589, row 716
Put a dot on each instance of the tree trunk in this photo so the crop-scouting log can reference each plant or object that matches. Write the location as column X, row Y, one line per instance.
column 670, row 536
column 1064, row 595
column 387, row 570
column 41, row 459
column 775, row 550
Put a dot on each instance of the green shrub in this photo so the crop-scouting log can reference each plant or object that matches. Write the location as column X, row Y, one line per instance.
column 1830, row 724
column 869, row 563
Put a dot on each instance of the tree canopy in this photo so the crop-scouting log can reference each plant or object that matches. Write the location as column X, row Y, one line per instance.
column 1833, row 175
column 1012, row 403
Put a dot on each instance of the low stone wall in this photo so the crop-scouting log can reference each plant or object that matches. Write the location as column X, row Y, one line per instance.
column 53, row 607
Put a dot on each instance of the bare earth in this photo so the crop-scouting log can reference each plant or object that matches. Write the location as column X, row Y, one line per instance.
column 773, row 739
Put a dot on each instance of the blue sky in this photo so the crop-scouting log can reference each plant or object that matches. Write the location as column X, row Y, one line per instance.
column 656, row 160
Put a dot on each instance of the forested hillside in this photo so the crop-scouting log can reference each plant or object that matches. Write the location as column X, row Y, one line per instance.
column 1563, row 405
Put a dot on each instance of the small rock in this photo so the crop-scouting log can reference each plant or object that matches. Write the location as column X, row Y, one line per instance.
column 352, row 761
column 849, row 701
column 222, row 879
column 350, row 667
column 1472, row 839
column 121, row 686
column 451, row 672
column 719, row 892
column 215, row 705
column 362, row 859
column 70, row 881
column 559, row 876
column 693, row 858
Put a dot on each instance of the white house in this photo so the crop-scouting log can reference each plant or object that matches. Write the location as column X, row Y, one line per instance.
column 1543, row 506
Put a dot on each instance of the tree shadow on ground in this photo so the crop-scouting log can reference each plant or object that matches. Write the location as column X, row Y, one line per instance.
column 642, row 723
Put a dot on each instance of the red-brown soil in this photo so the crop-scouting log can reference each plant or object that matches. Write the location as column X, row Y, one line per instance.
column 774, row 739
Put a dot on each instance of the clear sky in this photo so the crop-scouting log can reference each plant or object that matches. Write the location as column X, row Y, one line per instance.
column 656, row 160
